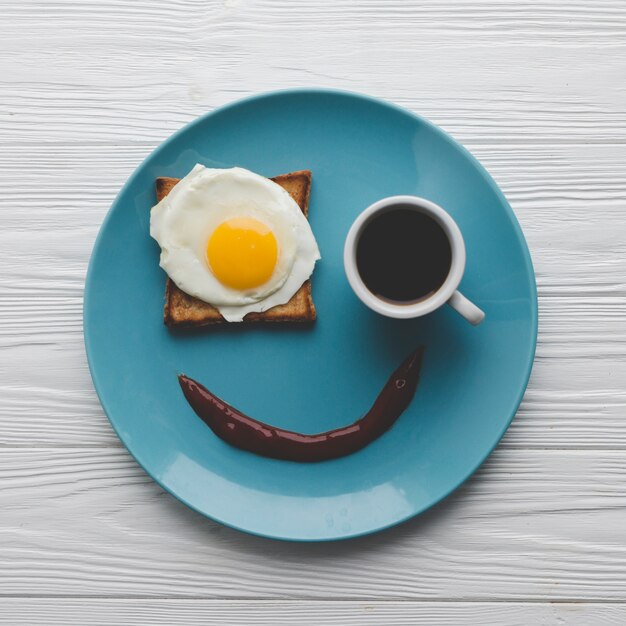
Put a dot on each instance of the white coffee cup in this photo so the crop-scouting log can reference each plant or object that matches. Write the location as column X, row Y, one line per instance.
column 446, row 293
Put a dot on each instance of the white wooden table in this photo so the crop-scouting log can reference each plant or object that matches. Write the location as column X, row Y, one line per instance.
column 536, row 89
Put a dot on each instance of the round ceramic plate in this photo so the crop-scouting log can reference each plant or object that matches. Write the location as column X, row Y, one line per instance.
column 315, row 378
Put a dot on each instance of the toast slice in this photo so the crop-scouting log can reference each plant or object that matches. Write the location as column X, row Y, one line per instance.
column 184, row 311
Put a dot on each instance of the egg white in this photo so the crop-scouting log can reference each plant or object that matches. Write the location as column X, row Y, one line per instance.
column 184, row 220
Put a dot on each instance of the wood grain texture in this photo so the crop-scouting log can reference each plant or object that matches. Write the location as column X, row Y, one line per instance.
column 535, row 89
column 127, row 72
column 112, row 612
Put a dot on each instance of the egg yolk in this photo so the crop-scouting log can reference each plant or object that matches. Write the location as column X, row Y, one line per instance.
column 242, row 253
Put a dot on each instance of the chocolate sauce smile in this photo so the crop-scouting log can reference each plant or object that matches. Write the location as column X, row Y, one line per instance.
column 249, row 434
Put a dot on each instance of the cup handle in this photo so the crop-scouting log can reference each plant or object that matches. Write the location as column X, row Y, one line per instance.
column 466, row 308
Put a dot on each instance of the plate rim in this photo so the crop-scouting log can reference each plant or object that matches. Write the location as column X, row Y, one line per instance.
column 266, row 95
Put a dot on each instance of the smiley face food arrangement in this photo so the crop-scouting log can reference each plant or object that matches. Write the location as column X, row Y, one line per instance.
column 246, row 433
column 237, row 247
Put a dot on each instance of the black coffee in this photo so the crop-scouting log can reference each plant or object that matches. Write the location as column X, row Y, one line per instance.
column 403, row 256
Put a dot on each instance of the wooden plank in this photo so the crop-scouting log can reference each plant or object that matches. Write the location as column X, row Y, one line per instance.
column 531, row 525
column 520, row 113
column 153, row 612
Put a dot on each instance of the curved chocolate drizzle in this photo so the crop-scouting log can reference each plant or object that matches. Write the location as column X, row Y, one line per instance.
column 249, row 434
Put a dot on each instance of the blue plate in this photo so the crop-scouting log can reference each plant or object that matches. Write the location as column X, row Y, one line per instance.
column 315, row 379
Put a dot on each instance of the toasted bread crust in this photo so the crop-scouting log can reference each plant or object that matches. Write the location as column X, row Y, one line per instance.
column 184, row 311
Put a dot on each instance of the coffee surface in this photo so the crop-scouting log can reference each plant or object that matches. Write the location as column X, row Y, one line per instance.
column 403, row 256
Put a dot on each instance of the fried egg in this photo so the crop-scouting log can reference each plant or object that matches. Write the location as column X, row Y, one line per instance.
column 234, row 239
